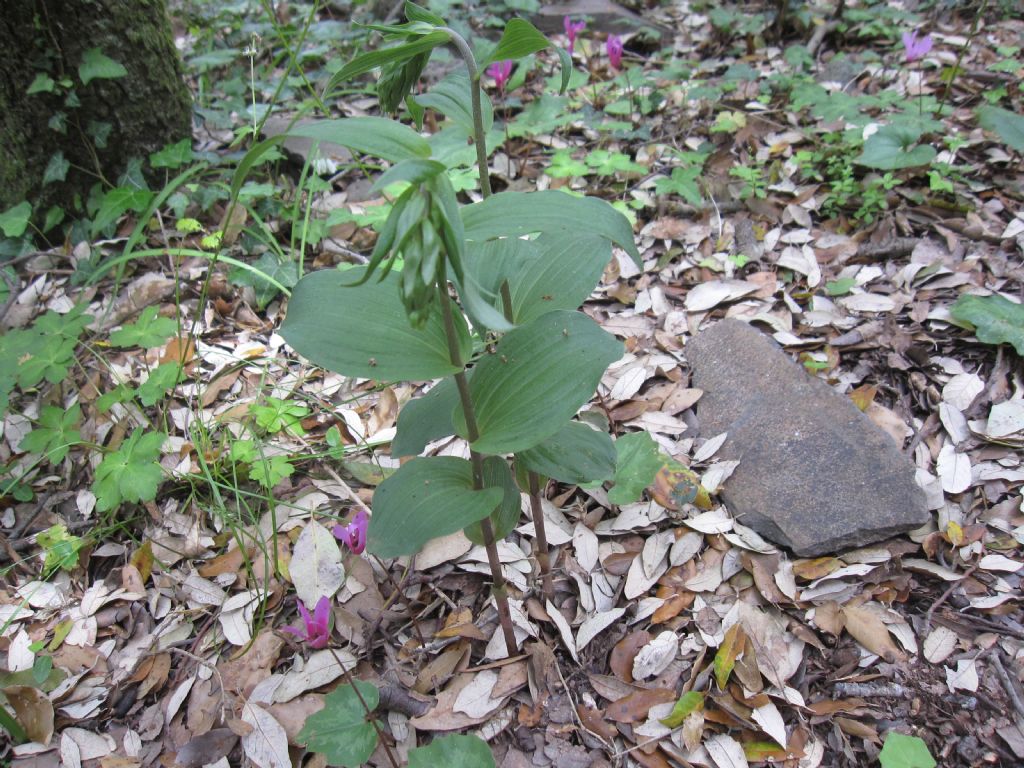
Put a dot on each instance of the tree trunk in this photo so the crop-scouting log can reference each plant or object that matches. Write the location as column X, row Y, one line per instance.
column 91, row 129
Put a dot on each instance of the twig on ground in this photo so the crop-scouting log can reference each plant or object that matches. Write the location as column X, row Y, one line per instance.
column 944, row 597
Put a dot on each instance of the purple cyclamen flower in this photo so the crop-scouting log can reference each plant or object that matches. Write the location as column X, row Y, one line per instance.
column 317, row 629
column 572, row 29
column 916, row 47
column 354, row 534
column 500, row 71
column 614, row 48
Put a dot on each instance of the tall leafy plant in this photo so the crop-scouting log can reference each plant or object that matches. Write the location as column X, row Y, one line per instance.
column 486, row 299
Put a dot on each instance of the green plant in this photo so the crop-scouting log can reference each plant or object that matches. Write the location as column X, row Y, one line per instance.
column 505, row 390
column 755, row 184
column 899, row 751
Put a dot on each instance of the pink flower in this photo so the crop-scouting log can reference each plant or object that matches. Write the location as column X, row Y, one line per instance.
column 614, row 48
column 572, row 29
column 500, row 71
column 317, row 629
column 916, row 47
column 354, row 534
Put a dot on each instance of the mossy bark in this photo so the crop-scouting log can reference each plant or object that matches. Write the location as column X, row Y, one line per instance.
column 145, row 109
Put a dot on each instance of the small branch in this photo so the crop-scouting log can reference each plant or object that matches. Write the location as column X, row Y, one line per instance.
column 543, row 553
column 944, row 597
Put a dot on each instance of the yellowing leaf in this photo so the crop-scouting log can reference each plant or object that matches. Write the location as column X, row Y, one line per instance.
column 728, row 652
column 692, row 701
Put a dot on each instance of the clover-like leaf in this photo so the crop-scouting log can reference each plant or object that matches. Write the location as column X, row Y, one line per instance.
column 149, row 330
column 55, row 433
column 131, row 473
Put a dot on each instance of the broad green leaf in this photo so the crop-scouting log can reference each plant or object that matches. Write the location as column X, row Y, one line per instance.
column 377, row 136
column 536, row 379
column 454, row 751
column 575, row 454
column 894, row 146
column 173, row 155
column 995, row 319
column 638, row 461
column 414, row 171
column 149, row 330
column 56, row 169
column 519, row 39
column 340, row 730
column 840, row 287
column 131, row 473
column 415, row 12
column 901, row 751
column 513, row 214
column 1009, row 126
column 506, row 516
column 55, row 433
column 14, row 221
column 251, row 158
column 452, row 98
column 98, row 66
column 426, row 418
column 688, row 703
column 364, row 331
column 426, row 498
column 555, row 271
column 374, row 59
column 117, row 202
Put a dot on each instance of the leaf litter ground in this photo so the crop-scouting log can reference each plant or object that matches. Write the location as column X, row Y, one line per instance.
column 676, row 636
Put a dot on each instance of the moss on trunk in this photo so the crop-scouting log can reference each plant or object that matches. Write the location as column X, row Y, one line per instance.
column 145, row 109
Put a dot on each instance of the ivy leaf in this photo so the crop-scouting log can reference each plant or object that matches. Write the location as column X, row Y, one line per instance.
column 96, row 65
column 14, row 221
column 173, row 155
column 55, row 434
column 901, row 751
column 454, row 751
column 148, row 331
column 339, row 731
column 117, row 202
column 995, row 319
column 131, row 473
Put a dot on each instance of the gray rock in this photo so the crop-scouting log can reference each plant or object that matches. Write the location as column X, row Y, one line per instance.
column 815, row 474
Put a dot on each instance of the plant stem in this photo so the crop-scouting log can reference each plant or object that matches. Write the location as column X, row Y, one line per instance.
column 543, row 554
column 466, row 54
column 498, row 588
column 960, row 55
column 369, row 713
column 536, row 508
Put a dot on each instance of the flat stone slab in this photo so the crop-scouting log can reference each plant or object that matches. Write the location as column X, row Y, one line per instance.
column 815, row 474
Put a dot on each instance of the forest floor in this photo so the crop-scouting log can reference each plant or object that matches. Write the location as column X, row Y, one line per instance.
column 141, row 627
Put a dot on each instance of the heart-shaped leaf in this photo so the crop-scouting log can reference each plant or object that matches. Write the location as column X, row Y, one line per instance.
column 894, row 146
column 1009, row 126
column 340, row 731
column 455, row 751
column 995, row 319
column 425, row 499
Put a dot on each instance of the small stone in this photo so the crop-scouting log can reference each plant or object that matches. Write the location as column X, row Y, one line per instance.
column 815, row 474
